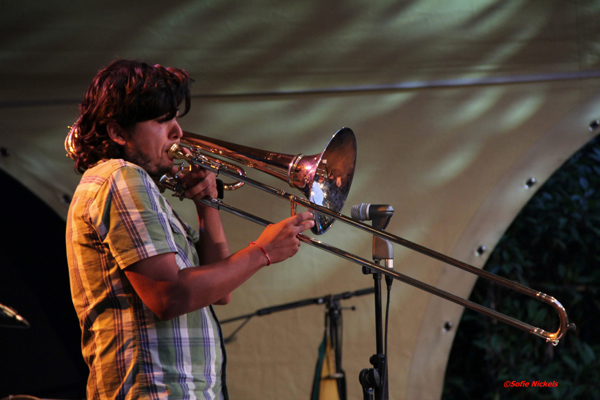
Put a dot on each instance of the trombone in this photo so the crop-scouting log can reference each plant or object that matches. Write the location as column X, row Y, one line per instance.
column 325, row 179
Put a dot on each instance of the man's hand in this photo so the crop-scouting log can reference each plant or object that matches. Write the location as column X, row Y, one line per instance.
column 200, row 183
column 280, row 240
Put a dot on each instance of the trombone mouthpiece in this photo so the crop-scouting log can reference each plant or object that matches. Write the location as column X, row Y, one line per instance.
column 175, row 152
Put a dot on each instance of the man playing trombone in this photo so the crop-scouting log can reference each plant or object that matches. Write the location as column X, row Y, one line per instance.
column 143, row 282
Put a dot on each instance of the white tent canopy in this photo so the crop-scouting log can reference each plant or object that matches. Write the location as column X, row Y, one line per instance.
column 455, row 106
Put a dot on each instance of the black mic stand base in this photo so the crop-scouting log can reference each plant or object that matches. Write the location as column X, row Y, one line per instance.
column 374, row 387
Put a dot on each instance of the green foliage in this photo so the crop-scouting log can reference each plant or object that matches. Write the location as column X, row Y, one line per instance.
column 552, row 246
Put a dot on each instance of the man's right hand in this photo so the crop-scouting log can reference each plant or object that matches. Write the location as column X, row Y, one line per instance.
column 280, row 240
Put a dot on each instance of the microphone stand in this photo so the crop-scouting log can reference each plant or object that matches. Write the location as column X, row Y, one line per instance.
column 374, row 381
column 334, row 315
column 328, row 299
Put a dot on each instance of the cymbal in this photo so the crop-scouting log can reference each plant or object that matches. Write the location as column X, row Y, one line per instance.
column 10, row 319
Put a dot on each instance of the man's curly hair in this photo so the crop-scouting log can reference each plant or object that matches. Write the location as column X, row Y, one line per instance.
column 125, row 92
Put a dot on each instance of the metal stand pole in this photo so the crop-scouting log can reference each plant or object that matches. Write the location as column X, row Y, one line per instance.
column 374, row 380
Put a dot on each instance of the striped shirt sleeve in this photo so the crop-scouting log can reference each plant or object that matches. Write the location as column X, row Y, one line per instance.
column 130, row 219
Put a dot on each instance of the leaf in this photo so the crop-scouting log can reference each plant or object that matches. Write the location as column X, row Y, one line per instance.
column 570, row 362
column 587, row 354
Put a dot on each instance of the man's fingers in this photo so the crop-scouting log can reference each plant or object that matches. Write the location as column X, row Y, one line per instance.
column 302, row 221
column 298, row 219
column 199, row 182
column 307, row 225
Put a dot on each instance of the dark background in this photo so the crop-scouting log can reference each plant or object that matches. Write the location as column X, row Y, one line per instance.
column 552, row 246
column 43, row 360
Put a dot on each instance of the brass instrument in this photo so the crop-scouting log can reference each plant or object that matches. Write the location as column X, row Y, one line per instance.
column 325, row 179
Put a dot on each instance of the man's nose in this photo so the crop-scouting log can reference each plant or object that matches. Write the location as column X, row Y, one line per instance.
column 175, row 130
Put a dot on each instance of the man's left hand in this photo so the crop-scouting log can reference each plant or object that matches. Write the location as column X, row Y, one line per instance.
column 200, row 183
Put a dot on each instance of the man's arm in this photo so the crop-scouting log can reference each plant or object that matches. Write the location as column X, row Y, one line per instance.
column 170, row 292
column 213, row 245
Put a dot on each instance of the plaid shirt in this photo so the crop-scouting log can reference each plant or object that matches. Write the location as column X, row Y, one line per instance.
column 118, row 217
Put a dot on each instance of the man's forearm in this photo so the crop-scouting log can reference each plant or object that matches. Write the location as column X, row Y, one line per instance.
column 213, row 245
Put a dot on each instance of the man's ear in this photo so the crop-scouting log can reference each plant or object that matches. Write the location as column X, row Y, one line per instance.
column 116, row 133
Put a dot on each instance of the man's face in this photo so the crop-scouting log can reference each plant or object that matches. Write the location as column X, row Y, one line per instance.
column 149, row 142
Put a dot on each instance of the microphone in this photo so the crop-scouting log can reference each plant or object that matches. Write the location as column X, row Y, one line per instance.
column 380, row 214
